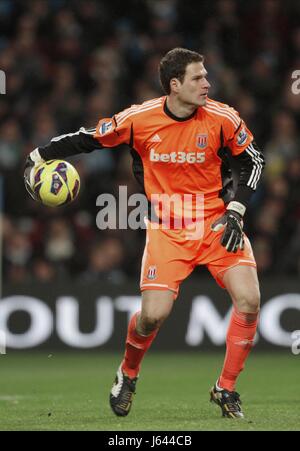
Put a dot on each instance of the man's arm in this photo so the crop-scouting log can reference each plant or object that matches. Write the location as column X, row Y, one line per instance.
column 250, row 165
column 65, row 146
column 250, row 162
column 107, row 134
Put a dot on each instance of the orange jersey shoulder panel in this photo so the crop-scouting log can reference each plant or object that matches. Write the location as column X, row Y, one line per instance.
column 120, row 129
column 236, row 135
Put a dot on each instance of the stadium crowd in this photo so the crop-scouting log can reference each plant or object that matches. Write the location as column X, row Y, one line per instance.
column 68, row 63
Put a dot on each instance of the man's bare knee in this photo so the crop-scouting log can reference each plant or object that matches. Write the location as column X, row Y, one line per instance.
column 242, row 284
column 248, row 302
column 156, row 307
column 148, row 324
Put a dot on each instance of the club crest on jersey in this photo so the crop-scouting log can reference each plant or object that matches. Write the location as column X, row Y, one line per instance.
column 105, row 127
column 151, row 272
column 242, row 137
column 201, row 141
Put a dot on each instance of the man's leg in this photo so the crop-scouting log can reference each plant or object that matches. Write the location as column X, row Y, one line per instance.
column 142, row 329
column 242, row 284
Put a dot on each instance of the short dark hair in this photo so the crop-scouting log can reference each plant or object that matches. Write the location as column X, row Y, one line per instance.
column 173, row 65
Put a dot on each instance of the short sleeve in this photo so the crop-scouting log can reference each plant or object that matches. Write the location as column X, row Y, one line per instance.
column 236, row 134
column 111, row 132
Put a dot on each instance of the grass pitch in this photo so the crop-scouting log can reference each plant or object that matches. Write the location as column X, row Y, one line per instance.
column 70, row 392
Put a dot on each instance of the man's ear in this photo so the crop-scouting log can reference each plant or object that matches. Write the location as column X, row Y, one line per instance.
column 175, row 85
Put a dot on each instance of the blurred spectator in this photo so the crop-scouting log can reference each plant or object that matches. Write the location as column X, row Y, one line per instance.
column 60, row 241
column 18, row 249
column 283, row 145
column 262, row 249
column 105, row 262
column 11, row 144
column 43, row 271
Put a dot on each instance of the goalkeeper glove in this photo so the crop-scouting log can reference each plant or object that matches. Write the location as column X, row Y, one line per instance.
column 33, row 160
column 232, row 222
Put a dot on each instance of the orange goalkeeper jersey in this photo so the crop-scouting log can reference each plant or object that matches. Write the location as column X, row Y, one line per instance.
column 173, row 155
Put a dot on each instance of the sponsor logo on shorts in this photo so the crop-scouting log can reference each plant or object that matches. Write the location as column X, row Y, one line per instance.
column 151, row 273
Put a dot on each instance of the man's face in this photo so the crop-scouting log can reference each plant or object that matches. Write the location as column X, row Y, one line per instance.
column 194, row 88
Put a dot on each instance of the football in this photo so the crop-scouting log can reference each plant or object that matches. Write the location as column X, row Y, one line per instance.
column 55, row 183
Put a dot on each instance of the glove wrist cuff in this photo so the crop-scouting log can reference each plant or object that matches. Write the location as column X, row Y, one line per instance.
column 36, row 157
column 237, row 207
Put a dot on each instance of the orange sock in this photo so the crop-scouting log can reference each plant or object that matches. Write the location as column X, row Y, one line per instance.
column 135, row 349
column 239, row 341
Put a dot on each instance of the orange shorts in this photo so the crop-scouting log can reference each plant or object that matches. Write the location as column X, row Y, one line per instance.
column 169, row 257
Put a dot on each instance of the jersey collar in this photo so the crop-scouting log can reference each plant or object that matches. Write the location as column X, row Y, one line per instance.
column 175, row 118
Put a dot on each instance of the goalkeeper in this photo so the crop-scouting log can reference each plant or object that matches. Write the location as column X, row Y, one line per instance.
column 180, row 144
